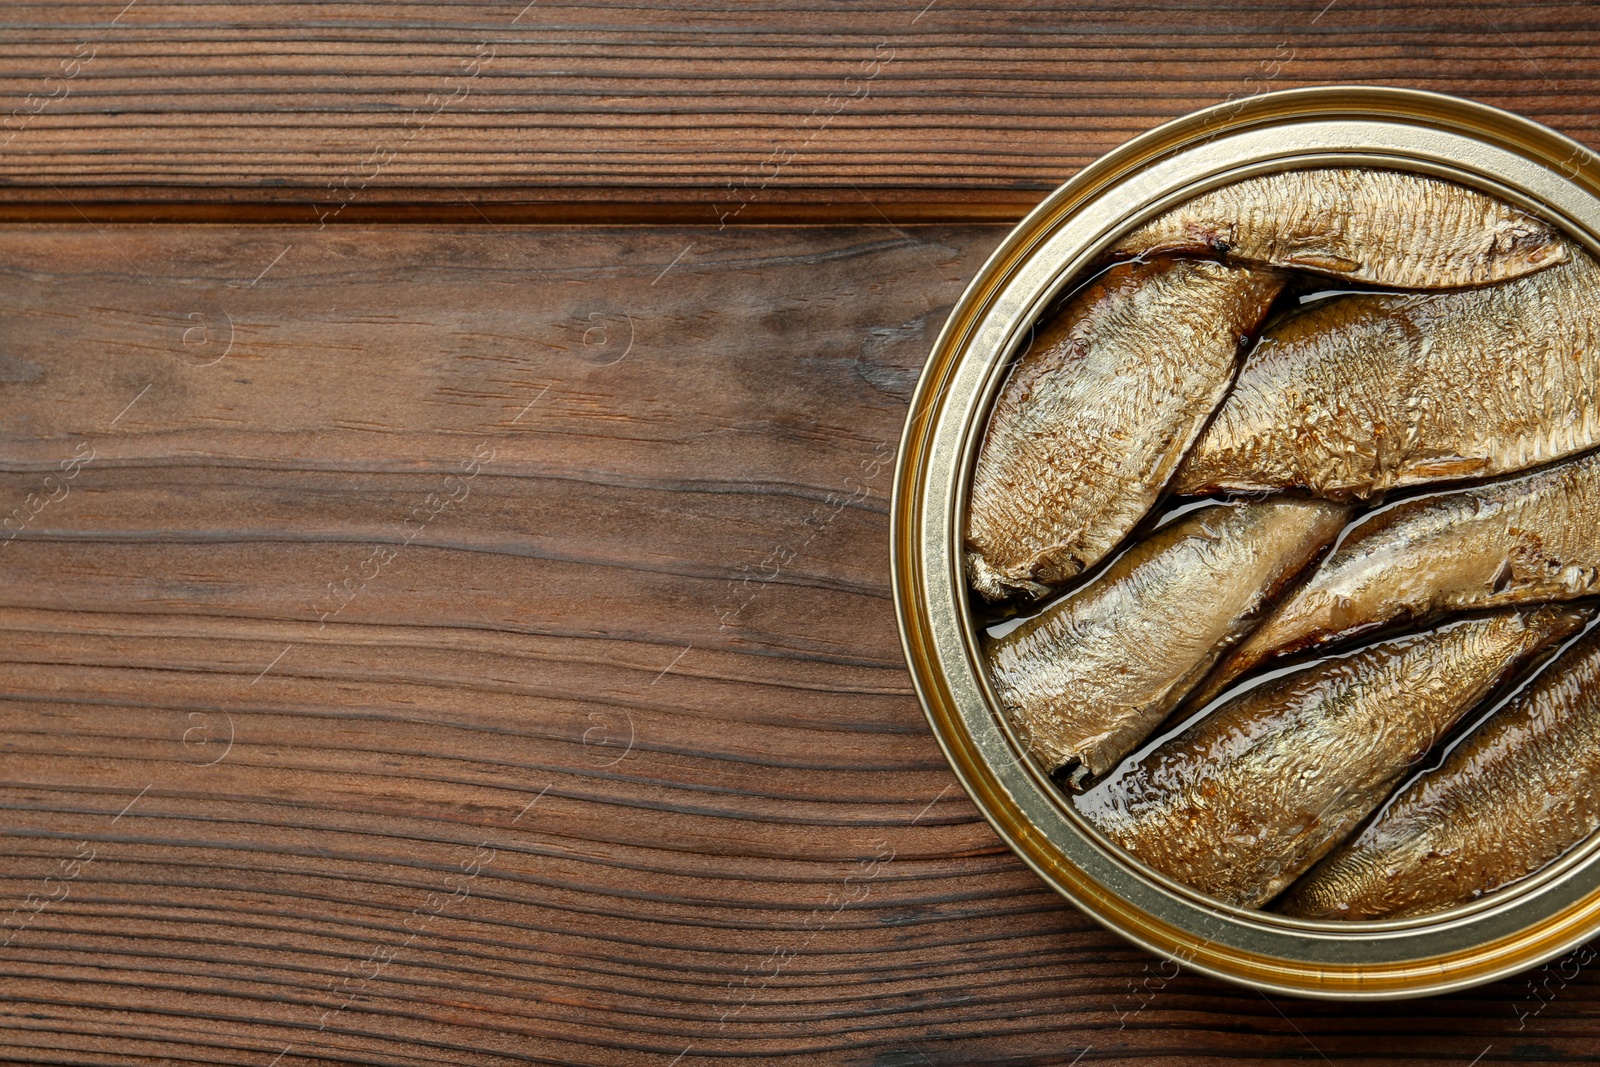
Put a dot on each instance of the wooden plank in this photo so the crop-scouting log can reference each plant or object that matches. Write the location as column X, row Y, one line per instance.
column 605, row 754
column 693, row 111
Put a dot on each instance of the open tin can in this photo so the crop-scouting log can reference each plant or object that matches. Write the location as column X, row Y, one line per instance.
column 1503, row 932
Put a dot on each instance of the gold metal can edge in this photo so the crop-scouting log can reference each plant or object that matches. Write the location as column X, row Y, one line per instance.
column 1428, row 132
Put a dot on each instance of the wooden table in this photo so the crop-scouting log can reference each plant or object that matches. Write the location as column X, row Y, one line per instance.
column 445, row 453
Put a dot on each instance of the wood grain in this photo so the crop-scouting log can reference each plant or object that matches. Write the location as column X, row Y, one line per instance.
column 606, row 753
column 690, row 111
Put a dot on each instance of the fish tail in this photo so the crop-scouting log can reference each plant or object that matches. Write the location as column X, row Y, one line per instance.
column 995, row 585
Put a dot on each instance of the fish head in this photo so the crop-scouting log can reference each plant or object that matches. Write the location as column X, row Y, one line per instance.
column 1522, row 245
column 1190, row 232
column 1212, row 235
